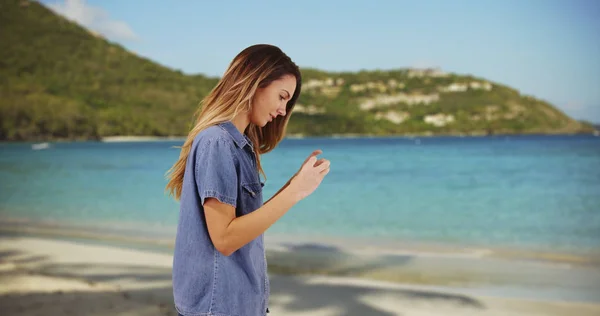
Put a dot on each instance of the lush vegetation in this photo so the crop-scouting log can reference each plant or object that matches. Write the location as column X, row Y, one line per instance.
column 61, row 81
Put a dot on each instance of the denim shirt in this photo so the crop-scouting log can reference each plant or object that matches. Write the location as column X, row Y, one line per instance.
column 221, row 165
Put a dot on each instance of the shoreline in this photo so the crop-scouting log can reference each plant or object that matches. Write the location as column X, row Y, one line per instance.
column 148, row 138
column 163, row 238
column 126, row 138
column 71, row 278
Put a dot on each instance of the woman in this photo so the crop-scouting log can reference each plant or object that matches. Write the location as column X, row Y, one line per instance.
column 219, row 263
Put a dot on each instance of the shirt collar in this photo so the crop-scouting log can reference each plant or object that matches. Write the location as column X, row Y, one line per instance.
column 240, row 139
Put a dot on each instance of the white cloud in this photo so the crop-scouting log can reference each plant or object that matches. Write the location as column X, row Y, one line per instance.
column 94, row 18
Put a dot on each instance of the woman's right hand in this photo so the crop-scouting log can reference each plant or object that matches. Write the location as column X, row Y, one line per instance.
column 310, row 175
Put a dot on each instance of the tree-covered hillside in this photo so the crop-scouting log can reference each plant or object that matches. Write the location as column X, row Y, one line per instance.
column 60, row 81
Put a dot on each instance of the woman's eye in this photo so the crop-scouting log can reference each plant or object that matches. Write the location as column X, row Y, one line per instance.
column 281, row 98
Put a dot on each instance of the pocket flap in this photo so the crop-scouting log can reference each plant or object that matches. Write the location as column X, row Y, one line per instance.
column 252, row 188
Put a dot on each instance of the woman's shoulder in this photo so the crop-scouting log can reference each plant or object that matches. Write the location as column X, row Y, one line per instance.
column 213, row 135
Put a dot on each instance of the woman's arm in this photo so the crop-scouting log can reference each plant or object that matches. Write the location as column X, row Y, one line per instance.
column 229, row 233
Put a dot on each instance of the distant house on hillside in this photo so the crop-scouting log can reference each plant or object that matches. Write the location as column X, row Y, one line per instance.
column 426, row 72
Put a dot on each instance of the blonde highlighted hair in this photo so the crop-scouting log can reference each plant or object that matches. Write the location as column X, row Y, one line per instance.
column 254, row 67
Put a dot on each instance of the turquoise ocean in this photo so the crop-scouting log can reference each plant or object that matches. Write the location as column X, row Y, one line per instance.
column 525, row 192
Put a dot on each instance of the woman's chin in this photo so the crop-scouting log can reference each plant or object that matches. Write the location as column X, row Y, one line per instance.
column 259, row 123
column 267, row 123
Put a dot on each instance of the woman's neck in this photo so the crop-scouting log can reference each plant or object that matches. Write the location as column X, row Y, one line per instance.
column 241, row 122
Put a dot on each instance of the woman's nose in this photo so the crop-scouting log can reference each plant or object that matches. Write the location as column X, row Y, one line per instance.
column 281, row 111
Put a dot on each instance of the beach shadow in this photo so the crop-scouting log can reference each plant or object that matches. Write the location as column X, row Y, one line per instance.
column 152, row 294
column 351, row 300
column 31, row 259
column 312, row 247
column 313, row 258
column 457, row 299
column 318, row 259
column 7, row 254
column 154, row 302
column 18, row 257
column 303, row 297
column 113, row 289
column 106, row 272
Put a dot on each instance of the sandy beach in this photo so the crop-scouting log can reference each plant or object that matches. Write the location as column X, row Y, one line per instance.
column 56, row 277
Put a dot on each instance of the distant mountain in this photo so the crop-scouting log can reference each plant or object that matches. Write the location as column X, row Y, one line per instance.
column 60, row 80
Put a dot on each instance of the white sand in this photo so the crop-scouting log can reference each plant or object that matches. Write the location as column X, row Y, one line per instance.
column 52, row 277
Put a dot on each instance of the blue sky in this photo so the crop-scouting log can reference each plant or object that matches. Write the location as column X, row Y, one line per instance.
column 545, row 48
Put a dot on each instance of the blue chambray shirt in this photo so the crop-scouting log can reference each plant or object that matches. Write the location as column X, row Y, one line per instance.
column 222, row 165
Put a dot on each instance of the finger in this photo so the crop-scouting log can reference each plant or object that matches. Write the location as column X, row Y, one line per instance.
column 319, row 162
column 314, row 153
column 324, row 165
column 311, row 161
column 325, row 172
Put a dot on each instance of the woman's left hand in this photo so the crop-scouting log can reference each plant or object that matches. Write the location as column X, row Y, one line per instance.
column 314, row 153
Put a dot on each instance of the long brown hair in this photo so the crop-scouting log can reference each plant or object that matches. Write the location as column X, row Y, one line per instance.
column 254, row 67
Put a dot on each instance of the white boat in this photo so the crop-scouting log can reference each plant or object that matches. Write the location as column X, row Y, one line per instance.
column 40, row 146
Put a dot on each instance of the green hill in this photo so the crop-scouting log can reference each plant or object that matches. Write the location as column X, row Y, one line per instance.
column 60, row 81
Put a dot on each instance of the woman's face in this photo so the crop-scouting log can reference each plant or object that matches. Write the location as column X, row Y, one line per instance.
column 270, row 101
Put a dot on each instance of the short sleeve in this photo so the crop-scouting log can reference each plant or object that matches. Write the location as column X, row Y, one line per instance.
column 215, row 171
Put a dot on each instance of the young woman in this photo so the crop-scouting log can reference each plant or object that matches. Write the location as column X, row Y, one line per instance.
column 219, row 263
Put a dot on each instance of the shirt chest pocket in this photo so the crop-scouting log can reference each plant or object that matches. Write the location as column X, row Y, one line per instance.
column 251, row 197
